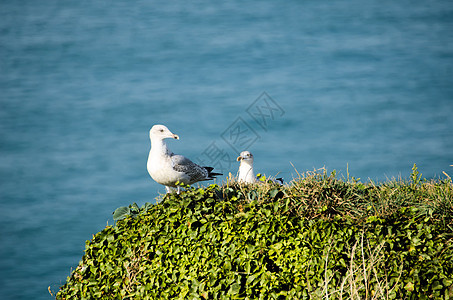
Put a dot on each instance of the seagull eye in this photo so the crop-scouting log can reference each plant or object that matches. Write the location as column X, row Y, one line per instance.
column 161, row 130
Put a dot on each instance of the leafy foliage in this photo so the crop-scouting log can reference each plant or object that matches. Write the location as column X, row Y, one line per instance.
column 319, row 237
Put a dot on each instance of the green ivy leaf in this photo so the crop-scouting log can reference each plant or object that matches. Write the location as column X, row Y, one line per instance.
column 409, row 287
column 121, row 213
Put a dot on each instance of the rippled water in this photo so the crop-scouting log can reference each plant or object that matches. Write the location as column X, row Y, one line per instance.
column 348, row 83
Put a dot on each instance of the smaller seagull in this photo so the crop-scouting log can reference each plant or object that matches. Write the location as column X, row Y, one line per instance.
column 246, row 173
column 167, row 168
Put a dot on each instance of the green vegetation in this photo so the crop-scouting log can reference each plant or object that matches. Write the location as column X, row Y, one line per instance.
column 318, row 237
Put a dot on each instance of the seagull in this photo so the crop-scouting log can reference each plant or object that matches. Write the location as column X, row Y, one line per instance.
column 246, row 173
column 167, row 168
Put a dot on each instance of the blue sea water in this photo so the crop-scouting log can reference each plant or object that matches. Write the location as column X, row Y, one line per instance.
column 358, row 86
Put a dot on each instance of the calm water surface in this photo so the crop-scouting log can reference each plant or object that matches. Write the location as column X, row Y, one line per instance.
column 365, row 85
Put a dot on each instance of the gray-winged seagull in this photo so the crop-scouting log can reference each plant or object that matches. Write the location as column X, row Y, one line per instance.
column 167, row 168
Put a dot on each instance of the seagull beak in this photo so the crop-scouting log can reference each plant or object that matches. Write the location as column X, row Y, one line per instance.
column 175, row 136
column 239, row 158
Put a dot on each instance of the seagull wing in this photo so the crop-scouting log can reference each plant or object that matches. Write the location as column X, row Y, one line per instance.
column 191, row 169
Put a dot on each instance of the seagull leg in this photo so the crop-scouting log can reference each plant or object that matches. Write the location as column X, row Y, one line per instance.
column 167, row 188
column 179, row 190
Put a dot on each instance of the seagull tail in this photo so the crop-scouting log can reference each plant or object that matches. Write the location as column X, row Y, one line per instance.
column 212, row 175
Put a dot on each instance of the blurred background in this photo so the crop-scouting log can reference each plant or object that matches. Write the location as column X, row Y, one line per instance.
column 360, row 85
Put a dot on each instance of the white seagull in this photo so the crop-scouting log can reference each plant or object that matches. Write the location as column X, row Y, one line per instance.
column 246, row 173
column 167, row 168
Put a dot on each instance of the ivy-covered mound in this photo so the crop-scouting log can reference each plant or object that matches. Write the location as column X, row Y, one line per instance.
column 319, row 237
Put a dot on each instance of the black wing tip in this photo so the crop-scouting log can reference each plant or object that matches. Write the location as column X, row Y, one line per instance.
column 212, row 175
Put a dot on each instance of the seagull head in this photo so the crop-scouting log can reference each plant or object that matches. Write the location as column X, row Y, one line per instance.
column 162, row 132
column 245, row 156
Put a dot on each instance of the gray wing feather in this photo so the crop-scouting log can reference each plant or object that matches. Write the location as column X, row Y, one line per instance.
column 191, row 169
